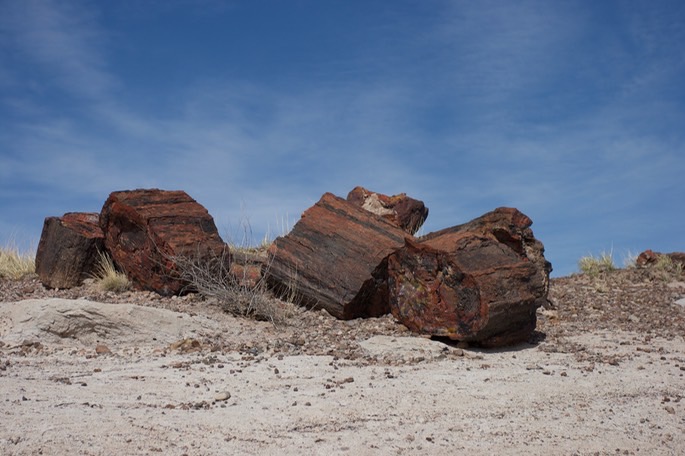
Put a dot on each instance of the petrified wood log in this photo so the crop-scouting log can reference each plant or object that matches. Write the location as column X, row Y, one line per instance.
column 68, row 249
column 327, row 260
column 477, row 286
column 145, row 229
column 407, row 213
column 511, row 227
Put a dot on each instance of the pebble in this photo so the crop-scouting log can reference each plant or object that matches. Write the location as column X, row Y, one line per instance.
column 102, row 349
column 222, row 396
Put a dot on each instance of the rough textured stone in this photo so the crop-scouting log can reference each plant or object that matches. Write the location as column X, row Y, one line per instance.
column 247, row 268
column 68, row 249
column 145, row 229
column 407, row 213
column 327, row 260
column 512, row 228
column 646, row 258
column 479, row 282
column 91, row 323
column 649, row 257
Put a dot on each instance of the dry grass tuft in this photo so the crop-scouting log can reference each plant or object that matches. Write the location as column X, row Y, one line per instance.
column 665, row 263
column 593, row 266
column 107, row 277
column 237, row 294
column 666, row 269
column 14, row 265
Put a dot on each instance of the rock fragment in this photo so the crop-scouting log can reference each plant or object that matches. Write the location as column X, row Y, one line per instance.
column 328, row 259
column 146, row 229
column 407, row 213
column 479, row 282
column 68, row 249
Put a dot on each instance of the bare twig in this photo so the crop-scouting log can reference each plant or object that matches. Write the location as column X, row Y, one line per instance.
column 235, row 290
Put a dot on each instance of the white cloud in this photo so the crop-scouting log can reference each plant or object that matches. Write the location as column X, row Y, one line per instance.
column 507, row 132
column 64, row 39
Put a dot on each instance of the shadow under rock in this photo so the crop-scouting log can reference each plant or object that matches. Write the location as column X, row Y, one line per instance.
column 535, row 339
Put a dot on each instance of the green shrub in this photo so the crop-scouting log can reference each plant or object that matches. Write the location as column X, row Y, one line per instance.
column 107, row 277
column 14, row 265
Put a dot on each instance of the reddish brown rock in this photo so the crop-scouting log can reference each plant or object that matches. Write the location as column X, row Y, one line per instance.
column 512, row 228
column 407, row 213
column 327, row 260
column 145, row 229
column 68, row 249
column 649, row 258
column 479, row 282
column 247, row 268
column 646, row 258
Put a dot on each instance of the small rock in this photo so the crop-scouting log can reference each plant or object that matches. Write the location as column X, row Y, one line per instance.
column 669, row 409
column 102, row 349
column 222, row 396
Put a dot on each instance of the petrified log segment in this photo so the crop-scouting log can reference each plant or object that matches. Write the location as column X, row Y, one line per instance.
column 407, row 213
column 145, row 229
column 327, row 260
column 465, row 286
column 481, row 281
column 512, row 228
column 68, row 248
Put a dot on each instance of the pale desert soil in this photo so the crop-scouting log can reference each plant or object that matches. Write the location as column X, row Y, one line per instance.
column 604, row 374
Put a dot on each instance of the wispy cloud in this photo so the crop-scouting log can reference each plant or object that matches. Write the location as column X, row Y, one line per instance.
column 470, row 106
column 62, row 40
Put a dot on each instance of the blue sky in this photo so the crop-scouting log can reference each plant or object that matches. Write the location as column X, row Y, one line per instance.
column 571, row 111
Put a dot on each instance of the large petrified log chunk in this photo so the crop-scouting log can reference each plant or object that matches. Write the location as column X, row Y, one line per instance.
column 68, row 249
column 511, row 227
column 407, row 213
column 478, row 285
column 145, row 229
column 328, row 258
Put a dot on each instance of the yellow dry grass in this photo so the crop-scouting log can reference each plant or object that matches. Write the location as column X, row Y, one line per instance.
column 14, row 264
column 108, row 277
column 594, row 265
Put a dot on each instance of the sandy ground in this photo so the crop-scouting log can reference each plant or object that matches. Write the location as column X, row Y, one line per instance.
column 158, row 386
